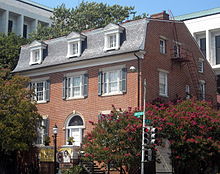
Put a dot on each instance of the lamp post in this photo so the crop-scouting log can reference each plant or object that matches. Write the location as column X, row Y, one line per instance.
column 55, row 131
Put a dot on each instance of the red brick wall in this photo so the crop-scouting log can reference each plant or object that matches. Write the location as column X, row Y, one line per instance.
column 179, row 75
column 58, row 109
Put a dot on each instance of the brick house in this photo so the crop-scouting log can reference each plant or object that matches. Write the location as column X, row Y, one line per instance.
column 81, row 75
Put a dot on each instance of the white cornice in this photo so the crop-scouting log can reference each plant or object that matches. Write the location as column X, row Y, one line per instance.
column 80, row 65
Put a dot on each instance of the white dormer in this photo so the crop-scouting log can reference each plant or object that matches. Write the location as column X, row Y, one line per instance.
column 112, row 37
column 74, row 47
column 36, row 52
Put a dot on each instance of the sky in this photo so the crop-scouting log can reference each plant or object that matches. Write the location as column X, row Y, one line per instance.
column 177, row 7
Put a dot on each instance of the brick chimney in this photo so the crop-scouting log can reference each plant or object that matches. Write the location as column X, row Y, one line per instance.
column 163, row 15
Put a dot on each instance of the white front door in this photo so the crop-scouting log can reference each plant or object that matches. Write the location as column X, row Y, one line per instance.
column 76, row 133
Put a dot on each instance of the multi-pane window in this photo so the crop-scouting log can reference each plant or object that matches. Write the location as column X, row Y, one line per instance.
column 112, row 82
column 202, row 89
column 35, row 56
column 163, row 86
column 75, row 49
column 201, row 66
column 41, row 90
column 162, row 46
column 217, row 49
column 202, row 44
column 176, row 51
column 74, row 128
column 112, row 41
column 75, row 86
column 42, row 131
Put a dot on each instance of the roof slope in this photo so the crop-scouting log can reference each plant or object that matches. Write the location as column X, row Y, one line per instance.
column 133, row 39
column 198, row 14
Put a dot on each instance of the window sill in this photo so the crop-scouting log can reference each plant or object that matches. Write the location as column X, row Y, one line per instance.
column 112, row 94
column 40, row 102
column 163, row 95
column 72, row 56
column 111, row 49
column 75, row 98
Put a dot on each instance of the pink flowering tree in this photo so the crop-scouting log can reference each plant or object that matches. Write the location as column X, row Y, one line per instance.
column 116, row 138
column 193, row 129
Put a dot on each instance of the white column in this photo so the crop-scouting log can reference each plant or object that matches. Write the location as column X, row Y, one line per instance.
column 5, row 17
column 208, row 42
column 20, row 25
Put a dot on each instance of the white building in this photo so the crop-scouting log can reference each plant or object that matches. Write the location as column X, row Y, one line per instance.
column 205, row 27
column 22, row 16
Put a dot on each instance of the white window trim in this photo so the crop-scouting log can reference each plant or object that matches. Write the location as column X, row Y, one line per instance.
column 166, row 83
column 39, row 80
column 74, row 127
column 72, row 75
column 202, row 82
column 201, row 62
column 32, row 50
column 163, row 51
column 76, row 40
column 109, row 33
column 112, row 69
column 44, row 117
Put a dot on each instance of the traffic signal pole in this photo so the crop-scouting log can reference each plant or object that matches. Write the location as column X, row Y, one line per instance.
column 143, row 127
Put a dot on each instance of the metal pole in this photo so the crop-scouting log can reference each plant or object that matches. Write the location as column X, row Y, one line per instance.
column 55, row 153
column 143, row 126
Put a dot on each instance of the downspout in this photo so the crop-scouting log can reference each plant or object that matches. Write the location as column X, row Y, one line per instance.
column 138, row 76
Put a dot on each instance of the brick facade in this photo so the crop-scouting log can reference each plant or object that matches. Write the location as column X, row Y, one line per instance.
column 179, row 76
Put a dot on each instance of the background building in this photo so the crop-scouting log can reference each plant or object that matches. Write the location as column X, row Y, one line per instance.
column 22, row 16
column 205, row 28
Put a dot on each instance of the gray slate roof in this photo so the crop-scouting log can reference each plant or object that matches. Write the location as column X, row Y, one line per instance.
column 133, row 39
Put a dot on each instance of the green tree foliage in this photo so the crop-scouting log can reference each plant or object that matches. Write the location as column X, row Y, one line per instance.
column 116, row 138
column 193, row 128
column 18, row 116
column 88, row 15
column 10, row 49
column 18, row 121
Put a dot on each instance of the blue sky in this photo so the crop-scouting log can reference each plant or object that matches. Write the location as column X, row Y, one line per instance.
column 178, row 7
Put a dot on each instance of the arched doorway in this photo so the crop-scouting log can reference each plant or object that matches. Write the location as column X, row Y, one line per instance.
column 74, row 128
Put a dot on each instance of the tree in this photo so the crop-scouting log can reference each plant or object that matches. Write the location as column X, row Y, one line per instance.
column 10, row 49
column 88, row 15
column 115, row 139
column 193, row 128
column 18, row 119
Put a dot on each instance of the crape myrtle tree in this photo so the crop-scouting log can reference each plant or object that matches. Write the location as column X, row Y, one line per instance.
column 115, row 139
column 191, row 126
column 18, row 120
column 88, row 15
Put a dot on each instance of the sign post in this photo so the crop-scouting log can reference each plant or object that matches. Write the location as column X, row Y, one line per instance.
column 143, row 126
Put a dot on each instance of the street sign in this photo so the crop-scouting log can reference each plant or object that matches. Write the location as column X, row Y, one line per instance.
column 138, row 114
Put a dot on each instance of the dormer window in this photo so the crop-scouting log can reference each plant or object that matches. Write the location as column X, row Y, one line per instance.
column 112, row 41
column 112, row 37
column 74, row 41
column 36, row 52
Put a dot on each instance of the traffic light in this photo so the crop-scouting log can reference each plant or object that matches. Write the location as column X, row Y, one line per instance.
column 148, row 155
column 150, row 135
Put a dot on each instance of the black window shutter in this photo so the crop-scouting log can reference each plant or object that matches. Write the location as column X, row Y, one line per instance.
column 47, row 90
column 100, row 83
column 64, row 88
column 123, row 80
column 85, row 85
